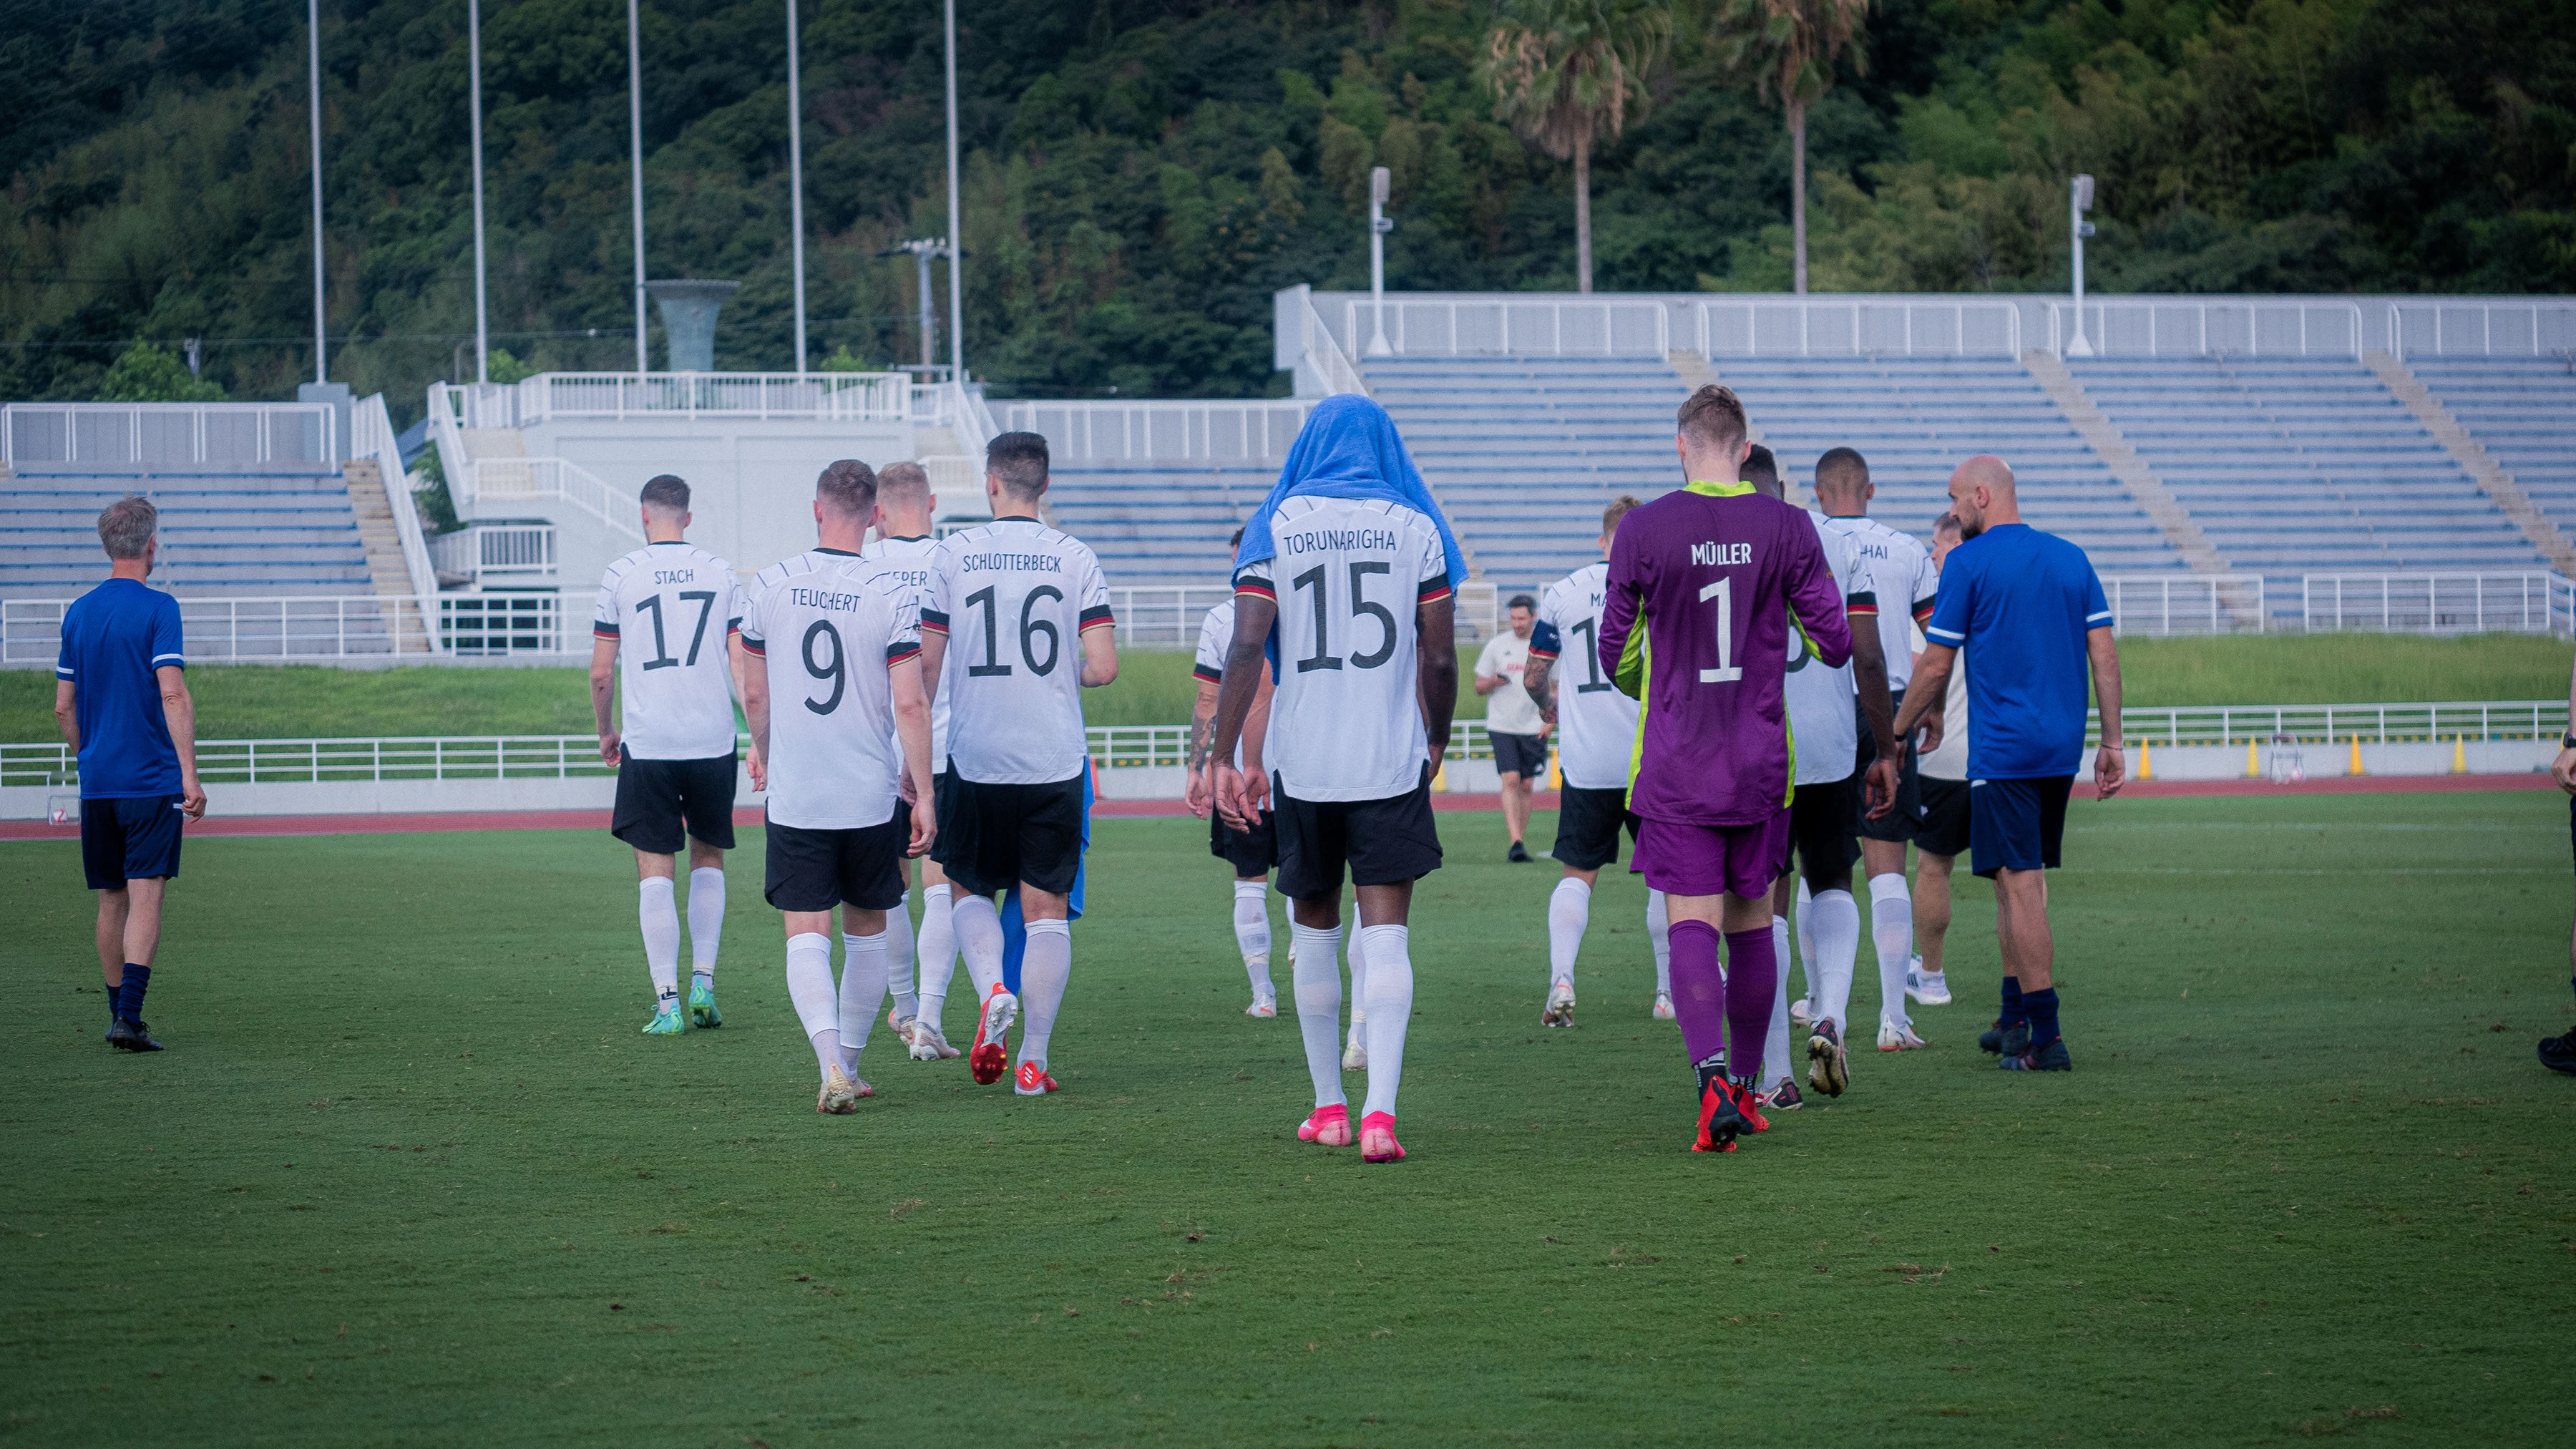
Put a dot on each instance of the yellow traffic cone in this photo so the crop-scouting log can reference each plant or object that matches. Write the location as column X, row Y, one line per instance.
column 1555, row 772
column 2253, row 761
column 2146, row 763
column 2355, row 768
column 2459, row 754
column 1440, row 777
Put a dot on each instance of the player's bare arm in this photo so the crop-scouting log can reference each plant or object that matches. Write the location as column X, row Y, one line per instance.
column 1099, row 654
column 1535, row 679
column 755, row 717
column 1256, row 726
column 912, row 727
column 1238, row 800
column 2562, row 769
column 1869, row 670
column 179, row 711
column 1436, row 626
column 1923, row 696
column 603, row 695
column 67, row 713
column 2110, row 762
column 1202, row 740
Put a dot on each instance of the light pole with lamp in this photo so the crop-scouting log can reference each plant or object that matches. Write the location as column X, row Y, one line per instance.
column 796, row 183
column 2079, row 200
column 956, row 228
column 474, row 95
column 1381, row 186
column 635, row 155
column 921, row 250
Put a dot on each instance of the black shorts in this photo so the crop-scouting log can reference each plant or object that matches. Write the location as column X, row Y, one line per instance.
column 815, row 870
column 1900, row 823
column 1522, row 755
column 1383, row 842
column 1943, row 828
column 1820, row 830
column 992, row 837
column 129, row 839
column 2017, row 824
column 662, row 803
column 1587, row 827
column 1251, row 852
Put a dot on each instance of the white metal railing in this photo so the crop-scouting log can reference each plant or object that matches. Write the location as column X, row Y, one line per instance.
column 2518, row 719
column 1193, row 431
column 147, row 433
column 2159, row 604
column 2439, row 603
column 833, row 396
column 506, row 550
column 948, row 405
column 371, row 435
column 1514, row 326
column 2211, row 329
column 1333, row 369
column 1854, row 328
column 328, row 628
column 2481, row 329
column 501, row 480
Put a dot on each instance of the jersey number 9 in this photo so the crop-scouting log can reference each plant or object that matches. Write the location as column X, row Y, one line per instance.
column 836, row 669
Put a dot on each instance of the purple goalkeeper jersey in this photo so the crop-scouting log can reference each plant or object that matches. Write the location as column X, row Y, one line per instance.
column 1713, row 574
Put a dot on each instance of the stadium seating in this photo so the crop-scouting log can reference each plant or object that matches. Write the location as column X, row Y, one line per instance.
column 1157, row 524
column 2522, row 410
column 248, row 530
column 2294, row 466
column 1524, row 452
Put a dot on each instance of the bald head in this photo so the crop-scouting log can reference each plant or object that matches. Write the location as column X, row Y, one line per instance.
column 1981, row 494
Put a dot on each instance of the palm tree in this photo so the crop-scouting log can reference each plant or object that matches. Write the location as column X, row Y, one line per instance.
column 1791, row 46
column 1563, row 72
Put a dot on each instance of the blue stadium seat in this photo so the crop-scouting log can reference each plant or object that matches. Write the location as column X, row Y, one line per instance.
column 251, row 530
column 2522, row 410
column 1158, row 523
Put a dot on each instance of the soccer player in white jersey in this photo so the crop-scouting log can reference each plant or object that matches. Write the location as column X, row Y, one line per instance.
column 665, row 636
column 840, row 737
column 1027, row 610
column 1348, row 573
column 1250, row 852
column 1599, row 726
column 1830, row 793
column 1942, row 833
column 1901, row 577
column 901, row 553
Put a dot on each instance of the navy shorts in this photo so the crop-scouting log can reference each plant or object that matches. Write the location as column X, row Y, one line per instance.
column 661, row 804
column 129, row 839
column 2017, row 824
column 1522, row 755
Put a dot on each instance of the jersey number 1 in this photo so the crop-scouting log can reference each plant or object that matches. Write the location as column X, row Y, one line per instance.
column 1727, row 670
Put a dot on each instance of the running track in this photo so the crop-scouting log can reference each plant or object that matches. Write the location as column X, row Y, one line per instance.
column 1113, row 809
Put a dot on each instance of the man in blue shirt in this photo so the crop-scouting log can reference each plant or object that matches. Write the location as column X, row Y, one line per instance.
column 121, row 698
column 2030, row 606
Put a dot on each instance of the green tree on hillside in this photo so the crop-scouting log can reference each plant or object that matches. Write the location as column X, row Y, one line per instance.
column 1791, row 47
column 1565, row 73
column 146, row 373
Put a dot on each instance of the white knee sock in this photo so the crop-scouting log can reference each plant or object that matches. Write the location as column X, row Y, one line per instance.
column 898, row 933
column 1891, row 930
column 1836, row 927
column 1659, row 934
column 1315, row 975
column 979, row 940
column 1044, row 970
column 1806, row 935
column 809, row 989
column 661, row 922
column 706, row 922
column 1252, row 931
column 1359, row 977
column 1390, row 1001
column 1569, row 910
column 937, row 951
column 864, row 964
column 1775, row 1042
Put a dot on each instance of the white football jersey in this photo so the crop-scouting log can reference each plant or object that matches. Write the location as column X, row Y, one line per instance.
column 671, row 607
column 1596, row 725
column 1014, row 597
column 1950, row 762
column 906, row 561
column 1216, row 641
column 1824, row 723
column 828, row 635
column 1348, row 577
column 1900, row 575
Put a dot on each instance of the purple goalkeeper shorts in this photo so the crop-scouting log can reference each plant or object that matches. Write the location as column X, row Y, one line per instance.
column 1709, row 860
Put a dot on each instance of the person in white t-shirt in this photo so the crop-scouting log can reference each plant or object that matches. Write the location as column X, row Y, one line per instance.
column 665, row 636
column 1251, row 852
column 1942, row 832
column 901, row 552
column 1348, row 574
column 1598, row 727
column 840, row 738
column 1513, row 721
column 1026, row 608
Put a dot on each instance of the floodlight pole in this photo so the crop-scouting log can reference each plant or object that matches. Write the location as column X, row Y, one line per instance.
column 956, row 231
column 474, row 92
column 921, row 254
column 313, row 31
column 1381, row 186
column 2079, row 200
column 635, row 146
column 796, row 182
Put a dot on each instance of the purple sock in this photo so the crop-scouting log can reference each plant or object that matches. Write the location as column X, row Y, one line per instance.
column 1752, row 970
column 1699, row 989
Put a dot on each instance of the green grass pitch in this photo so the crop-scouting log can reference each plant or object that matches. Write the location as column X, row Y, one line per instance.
column 409, row 1176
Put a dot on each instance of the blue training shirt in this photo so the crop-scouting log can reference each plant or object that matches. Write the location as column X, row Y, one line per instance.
column 115, row 638
column 2022, row 602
